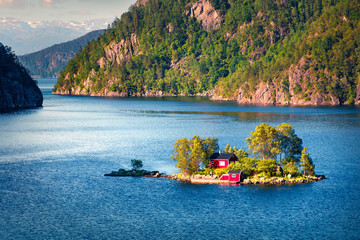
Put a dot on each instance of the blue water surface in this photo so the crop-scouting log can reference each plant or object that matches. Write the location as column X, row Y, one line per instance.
column 52, row 162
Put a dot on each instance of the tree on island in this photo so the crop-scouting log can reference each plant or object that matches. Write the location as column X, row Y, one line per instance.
column 193, row 154
column 264, row 141
column 136, row 164
column 289, row 143
column 269, row 142
column 240, row 153
column 306, row 163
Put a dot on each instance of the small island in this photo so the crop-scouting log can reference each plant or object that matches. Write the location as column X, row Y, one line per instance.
column 136, row 171
column 275, row 156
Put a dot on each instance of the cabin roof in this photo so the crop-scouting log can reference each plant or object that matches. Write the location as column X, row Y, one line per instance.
column 221, row 156
column 235, row 172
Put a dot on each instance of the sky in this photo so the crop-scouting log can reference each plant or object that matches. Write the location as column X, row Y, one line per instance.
column 64, row 10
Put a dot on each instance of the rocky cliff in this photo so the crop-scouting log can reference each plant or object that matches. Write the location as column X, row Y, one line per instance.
column 140, row 2
column 17, row 89
column 206, row 14
column 297, row 88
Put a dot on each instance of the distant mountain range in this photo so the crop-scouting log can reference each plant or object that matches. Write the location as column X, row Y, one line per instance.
column 50, row 61
column 30, row 36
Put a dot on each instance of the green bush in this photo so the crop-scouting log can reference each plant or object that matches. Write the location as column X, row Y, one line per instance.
column 266, row 167
column 205, row 171
column 291, row 168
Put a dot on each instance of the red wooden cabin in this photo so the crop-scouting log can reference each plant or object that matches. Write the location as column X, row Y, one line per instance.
column 222, row 160
column 232, row 176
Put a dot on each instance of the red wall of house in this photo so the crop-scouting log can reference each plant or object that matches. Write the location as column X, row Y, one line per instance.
column 230, row 177
column 224, row 177
column 217, row 164
column 235, row 178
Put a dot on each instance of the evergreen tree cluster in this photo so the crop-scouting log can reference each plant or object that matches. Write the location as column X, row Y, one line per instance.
column 8, row 62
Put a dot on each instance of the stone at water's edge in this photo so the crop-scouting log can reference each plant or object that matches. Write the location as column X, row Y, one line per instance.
column 15, row 95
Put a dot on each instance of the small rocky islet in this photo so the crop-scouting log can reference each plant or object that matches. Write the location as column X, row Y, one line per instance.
column 136, row 173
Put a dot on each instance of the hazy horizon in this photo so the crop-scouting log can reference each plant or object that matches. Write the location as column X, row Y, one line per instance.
column 64, row 10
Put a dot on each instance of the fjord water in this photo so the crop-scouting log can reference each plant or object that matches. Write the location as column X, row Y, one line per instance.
column 52, row 162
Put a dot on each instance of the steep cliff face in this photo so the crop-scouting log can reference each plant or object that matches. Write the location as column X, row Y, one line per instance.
column 122, row 51
column 205, row 13
column 299, row 86
column 17, row 89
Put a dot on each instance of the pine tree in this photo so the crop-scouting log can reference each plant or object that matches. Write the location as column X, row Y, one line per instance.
column 306, row 163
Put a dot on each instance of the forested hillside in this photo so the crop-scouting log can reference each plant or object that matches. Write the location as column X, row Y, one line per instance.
column 253, row 51
column 50, row 61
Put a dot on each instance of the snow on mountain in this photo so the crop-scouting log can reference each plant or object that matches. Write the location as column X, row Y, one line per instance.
column 30, row 36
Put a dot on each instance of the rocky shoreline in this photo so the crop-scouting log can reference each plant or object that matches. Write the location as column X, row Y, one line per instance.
column 256, row 181
column 106, row 93
column 260, row 98
column 208, row 179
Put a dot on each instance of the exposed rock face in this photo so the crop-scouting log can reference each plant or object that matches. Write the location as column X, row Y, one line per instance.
column 122, row 51
column 205, row 13
column 264, row 95
column 17, row 92
column 357, row 99
column 140, row 2
column 297, row 88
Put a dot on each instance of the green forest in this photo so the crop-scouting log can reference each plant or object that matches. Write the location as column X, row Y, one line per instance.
column 259, row 41
column 9, row 62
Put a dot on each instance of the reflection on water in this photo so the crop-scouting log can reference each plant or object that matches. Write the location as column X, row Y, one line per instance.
column 52, row 162
column 252, row 116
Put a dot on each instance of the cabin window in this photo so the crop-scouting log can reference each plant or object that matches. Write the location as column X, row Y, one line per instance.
column 212, row 161
column 233, row 175
column 222, row 163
